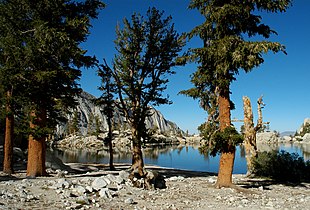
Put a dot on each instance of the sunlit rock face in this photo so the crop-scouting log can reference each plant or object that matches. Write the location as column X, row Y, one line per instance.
column 267, row 137
column 89, row 117
column 306, row 138
column 306, row 121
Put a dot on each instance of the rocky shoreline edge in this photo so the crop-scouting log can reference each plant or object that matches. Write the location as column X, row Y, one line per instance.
column 94, row 186
column 122, row 140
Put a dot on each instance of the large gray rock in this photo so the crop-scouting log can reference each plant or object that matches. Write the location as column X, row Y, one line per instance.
column 99, row 183
column 306, row 138
column 267, row 137
column 124, row 175
column 105, row 193
column 55, row 163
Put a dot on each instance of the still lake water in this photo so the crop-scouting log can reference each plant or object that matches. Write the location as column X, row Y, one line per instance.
column 180, row 157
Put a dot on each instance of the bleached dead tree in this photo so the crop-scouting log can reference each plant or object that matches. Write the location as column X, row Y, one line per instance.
column 250, row 130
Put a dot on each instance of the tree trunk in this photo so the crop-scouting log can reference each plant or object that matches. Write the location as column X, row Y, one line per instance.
column 260, row 105
column 110, row 136
column 228, row 155
column 8, row 140
column 36, row 147
column 137, row 157
column 249, row 134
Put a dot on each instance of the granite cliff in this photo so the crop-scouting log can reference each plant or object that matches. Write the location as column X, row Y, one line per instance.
column 88, row 118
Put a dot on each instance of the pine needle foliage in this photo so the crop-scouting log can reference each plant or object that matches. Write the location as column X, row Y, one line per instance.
column 40, row 50
column 147, row 50
column 282, row 166
column 228, row 48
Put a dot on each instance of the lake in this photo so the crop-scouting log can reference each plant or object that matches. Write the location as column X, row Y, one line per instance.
column 180, row 157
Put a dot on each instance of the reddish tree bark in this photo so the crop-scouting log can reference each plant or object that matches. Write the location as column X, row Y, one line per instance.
column 8, row 140
column 137, row 156
column 36, row 147
column 228, row 155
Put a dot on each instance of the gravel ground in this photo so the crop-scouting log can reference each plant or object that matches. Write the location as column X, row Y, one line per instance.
column 95, row 187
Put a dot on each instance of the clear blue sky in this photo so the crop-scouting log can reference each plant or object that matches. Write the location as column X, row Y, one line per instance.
column 283, row 80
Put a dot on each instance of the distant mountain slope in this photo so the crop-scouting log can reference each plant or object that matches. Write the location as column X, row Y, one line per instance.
column 287, row 133
column 89, row 117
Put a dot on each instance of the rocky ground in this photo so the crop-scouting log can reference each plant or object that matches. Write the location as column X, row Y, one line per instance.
column 95, row 187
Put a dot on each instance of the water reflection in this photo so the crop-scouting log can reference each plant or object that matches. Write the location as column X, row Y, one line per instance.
column 302, row 149
column 177, row 156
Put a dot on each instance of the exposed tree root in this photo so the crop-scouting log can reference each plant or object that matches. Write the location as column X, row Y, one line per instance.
column 147, row 179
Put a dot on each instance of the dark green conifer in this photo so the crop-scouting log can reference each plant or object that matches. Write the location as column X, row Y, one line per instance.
column 147, row 48
column 108, row 89
column 49, row 49
column 227, row 49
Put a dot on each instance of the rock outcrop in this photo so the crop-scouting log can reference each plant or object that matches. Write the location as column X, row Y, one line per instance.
column 88, row 118
column 121, row 141
column 303, row 133
column 267, row 137
column 306, row 138
column 306, row 121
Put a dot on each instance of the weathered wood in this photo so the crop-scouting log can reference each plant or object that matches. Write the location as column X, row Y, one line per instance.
column 250, row 130
column 260, row 106
column 249, row 133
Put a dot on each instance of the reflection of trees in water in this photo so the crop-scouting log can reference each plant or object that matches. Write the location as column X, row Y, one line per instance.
column 120, row 154
column 179, row 150
column 152, row 152
column 164, row 153
column 124, row 154
column 300, row 148
column 155, row 151
column 206, row 153
column 82, row 156
column 242, row 150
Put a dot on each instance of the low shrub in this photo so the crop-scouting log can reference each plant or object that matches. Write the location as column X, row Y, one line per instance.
column 281, row 166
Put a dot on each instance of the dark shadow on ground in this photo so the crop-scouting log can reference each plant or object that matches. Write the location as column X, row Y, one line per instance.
column 88, row 169
column 264, row 183
column 5, row 177
column 170, row 172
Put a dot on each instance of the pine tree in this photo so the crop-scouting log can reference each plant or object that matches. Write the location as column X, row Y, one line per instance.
column 13, row 25
column 9, row 135
column 147, row 50
column 224, row 53
column 59, row 28
column 52, row 58
column 107, row 88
